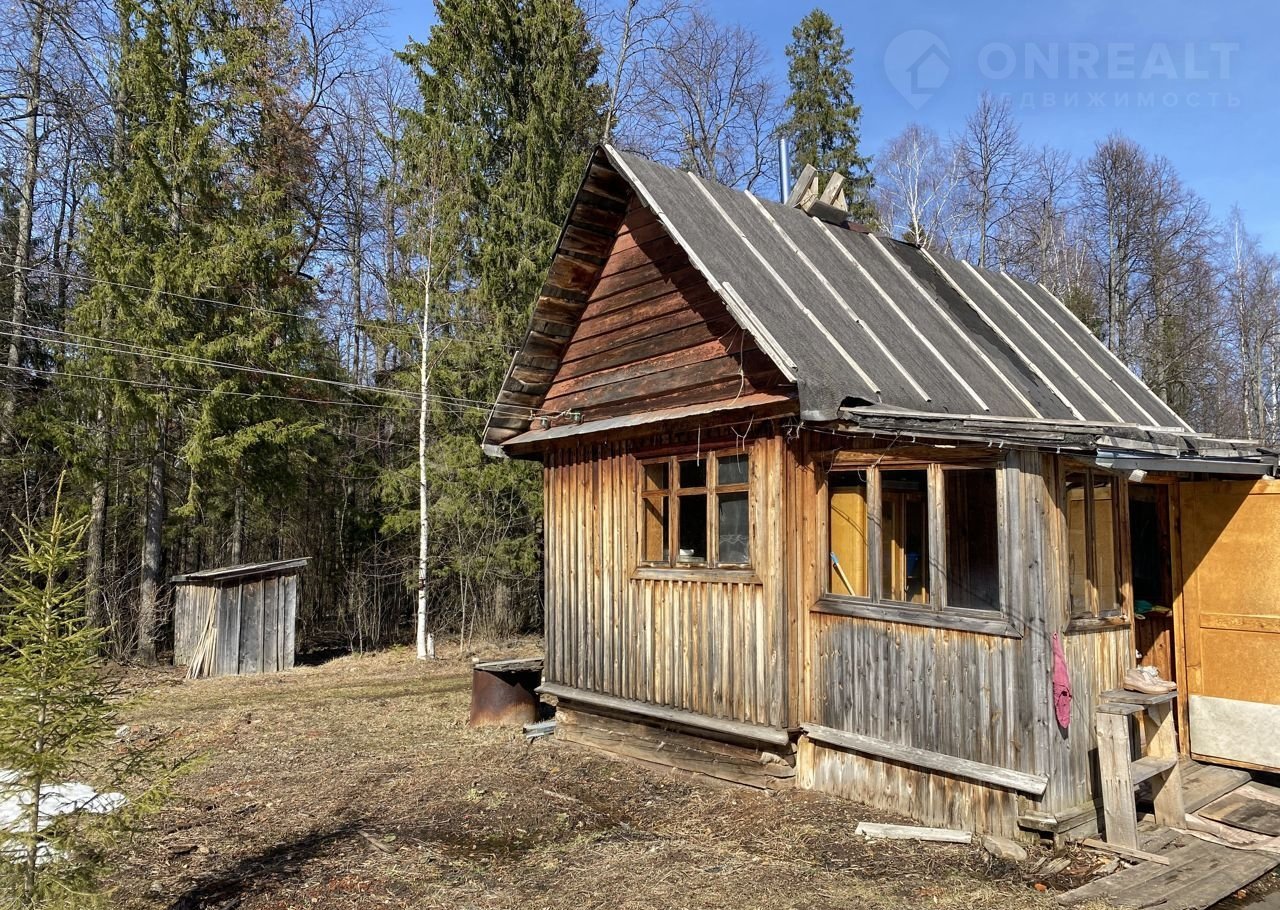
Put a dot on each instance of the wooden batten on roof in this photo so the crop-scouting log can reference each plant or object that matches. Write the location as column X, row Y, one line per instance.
column 668, row 291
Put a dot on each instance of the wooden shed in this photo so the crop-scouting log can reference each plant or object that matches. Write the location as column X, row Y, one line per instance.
column 237, row 619
column 824, row 509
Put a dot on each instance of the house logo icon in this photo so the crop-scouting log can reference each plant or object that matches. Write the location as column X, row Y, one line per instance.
column 917, row 64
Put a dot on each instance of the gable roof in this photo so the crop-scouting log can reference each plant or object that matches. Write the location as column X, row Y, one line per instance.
column 859, row 323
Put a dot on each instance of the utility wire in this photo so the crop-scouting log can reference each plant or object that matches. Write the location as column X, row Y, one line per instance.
column 116, row 346
column 207, row 391
column 409, row 331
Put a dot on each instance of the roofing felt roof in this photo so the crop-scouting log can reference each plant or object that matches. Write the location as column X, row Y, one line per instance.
column 853, row 315
column 859, row 319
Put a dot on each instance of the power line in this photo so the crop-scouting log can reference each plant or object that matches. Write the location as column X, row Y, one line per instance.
column 408, row 331
column 329, row 429
column 116, row 346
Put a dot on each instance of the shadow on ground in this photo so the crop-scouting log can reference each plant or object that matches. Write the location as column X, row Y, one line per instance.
column 274, row 864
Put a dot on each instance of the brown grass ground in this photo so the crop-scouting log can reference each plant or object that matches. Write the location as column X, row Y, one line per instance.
column 358, row 784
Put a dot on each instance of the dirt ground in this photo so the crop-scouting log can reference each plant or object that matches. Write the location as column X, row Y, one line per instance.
column 358, row 784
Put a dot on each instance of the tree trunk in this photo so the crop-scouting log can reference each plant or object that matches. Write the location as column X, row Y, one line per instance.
column 152, row 556
column 95, row 608
column 424, row 649
column 22, row 251
column 237, row 527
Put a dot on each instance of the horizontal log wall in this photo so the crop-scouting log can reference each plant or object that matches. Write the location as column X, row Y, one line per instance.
column 654, row 334
column 688, row 640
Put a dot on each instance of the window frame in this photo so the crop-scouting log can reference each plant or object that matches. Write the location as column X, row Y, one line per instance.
column 938, row 611
column 1093, row 616
column 712, row 489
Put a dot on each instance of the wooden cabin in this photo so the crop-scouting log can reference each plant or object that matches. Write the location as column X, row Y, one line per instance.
column 821, row 505
column 237, row 619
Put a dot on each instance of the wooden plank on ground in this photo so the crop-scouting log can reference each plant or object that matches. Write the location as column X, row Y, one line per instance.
column 1202, row 784
column 1199, row 874
column 1243, row 809
column 913, row 832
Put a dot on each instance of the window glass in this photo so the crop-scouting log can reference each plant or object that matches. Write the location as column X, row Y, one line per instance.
column 1077, row 537
column 973, row 542
column 905, row 535
column 693, row 528
column 693, row 473
column 1104, row 543
column 847, row 524
column 732, row 528
column 656, row 529
column 732, row 469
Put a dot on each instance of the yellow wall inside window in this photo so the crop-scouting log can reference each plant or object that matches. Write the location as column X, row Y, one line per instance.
column 848, row 524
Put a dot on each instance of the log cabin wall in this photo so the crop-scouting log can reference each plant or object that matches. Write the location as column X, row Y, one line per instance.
column 654, row 334
column 707, row 641
column 969, row 695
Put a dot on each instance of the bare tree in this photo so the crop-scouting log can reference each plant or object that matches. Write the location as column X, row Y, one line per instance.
column 1112, row 187
column 991, row 161
column 1252, row 294
column 29, row 91
column 709, row 105
column 915, row 187
column 632, row 34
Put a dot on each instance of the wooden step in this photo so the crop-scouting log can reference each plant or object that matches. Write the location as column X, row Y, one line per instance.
column 1148, row 767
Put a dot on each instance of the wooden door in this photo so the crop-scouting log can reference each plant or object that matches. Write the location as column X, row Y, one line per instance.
column 1229, row 629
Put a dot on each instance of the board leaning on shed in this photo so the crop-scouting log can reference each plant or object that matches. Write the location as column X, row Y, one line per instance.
column 237, row 619
column 822, row 499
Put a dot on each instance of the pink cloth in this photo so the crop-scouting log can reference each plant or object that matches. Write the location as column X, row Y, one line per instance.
column 1061, row 684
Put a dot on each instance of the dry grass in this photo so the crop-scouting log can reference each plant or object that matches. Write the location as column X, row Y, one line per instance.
column 358, row 784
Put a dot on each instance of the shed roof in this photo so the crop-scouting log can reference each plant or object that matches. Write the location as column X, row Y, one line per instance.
column 245, row 570
column 854, row 320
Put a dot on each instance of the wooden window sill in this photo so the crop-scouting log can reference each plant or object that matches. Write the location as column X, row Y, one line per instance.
column 1097, row 623
column 692, row 573
column 958, row 620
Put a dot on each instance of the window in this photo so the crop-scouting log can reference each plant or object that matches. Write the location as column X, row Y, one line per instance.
column 904, row 536
column 1092, row 502
column 848, row 530
column 696, row 511
column 936, row 540
column 973, row 542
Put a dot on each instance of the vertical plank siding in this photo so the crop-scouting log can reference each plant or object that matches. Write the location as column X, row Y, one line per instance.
column 975, row 696
column 714, row 647
column 254, row 623
column 763, row 647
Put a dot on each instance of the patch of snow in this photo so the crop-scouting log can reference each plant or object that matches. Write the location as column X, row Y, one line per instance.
column 55, row 800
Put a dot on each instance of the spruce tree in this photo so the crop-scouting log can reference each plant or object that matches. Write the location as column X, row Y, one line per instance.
column 508, row 115
column 195, row 240
column 822, row 126
column 56, row 708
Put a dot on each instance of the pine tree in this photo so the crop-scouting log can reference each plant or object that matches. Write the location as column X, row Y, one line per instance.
column 823, row 117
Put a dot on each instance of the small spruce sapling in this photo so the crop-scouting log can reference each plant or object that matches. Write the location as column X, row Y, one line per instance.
column 57, row 712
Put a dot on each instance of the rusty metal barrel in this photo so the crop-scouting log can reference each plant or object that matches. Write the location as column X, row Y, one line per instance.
column 502, row 692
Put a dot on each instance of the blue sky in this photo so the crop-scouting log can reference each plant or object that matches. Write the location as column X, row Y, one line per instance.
column 1197, row 82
